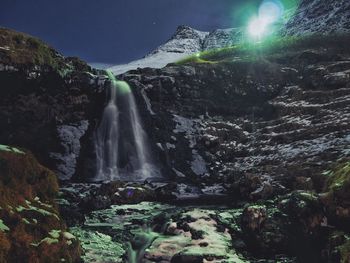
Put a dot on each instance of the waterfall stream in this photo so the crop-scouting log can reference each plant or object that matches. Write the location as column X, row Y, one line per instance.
column 122, row 151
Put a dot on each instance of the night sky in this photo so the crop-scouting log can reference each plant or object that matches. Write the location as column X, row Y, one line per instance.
column 117, row 31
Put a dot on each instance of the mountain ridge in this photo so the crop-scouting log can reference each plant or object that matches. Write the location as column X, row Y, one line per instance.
column 316, row 16
column 185, row 41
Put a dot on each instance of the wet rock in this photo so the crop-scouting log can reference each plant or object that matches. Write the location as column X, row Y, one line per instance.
column 253, row 217
column 197, row 241
column 303, row 183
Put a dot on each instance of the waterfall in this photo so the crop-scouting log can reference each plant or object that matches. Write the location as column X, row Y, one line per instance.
column 106, row 140
column 122, row 152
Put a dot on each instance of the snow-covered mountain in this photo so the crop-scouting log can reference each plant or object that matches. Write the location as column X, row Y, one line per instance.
column 185, row 42
column 311, row 16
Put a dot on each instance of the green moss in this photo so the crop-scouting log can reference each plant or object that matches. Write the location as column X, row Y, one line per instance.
column 338, row 182
column 47, row 240
column 344, row 251
column 41, row 211
column 272, row 46
column 26, row 221
column 7, row 148
column 33, row 225
column 99, row 247
column 3, row 227
column 55, row 233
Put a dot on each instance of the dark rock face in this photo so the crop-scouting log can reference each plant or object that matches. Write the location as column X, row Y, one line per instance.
column 49, row 113
column 319, row 16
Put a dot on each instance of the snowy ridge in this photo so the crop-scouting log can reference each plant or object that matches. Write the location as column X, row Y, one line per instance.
column 185, row 42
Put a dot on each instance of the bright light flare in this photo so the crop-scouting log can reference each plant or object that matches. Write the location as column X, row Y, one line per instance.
column 270, row 11
column 258, row 27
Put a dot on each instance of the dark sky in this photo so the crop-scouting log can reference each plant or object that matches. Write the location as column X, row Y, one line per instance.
column 116, row 31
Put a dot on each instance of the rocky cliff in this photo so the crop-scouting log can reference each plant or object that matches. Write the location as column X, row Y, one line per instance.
column 319, row 16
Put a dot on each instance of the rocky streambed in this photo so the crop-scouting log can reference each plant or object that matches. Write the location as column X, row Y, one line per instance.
column 115, row 224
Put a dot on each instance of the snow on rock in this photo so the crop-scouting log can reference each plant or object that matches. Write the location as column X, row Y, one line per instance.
column 185, row 42
column 198, row 164
column 187, row 126
column 223, row 37
column 147, row 101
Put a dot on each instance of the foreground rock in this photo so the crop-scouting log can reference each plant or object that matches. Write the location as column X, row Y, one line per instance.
column 31, row 229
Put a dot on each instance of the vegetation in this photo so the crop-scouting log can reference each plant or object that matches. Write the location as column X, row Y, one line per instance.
column 268, row 47
column 30, row 227
column 338, row 182
column 19, row 48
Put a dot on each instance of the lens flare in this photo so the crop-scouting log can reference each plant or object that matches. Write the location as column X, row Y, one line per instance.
column 270, row 11
column 257, row 27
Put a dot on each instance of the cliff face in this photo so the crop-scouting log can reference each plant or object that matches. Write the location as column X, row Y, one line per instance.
column 273, row 118
column 48, row 102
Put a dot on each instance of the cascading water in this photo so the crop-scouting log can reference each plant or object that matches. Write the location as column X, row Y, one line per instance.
column 106, row 139
column 121, row 146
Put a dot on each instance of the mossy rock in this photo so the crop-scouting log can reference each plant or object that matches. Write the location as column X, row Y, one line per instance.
column 31, row 229
column 336, row 196
column 338, row 182
column 345, row 252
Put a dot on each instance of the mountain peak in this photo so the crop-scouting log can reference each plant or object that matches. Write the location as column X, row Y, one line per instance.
column 187, row 32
